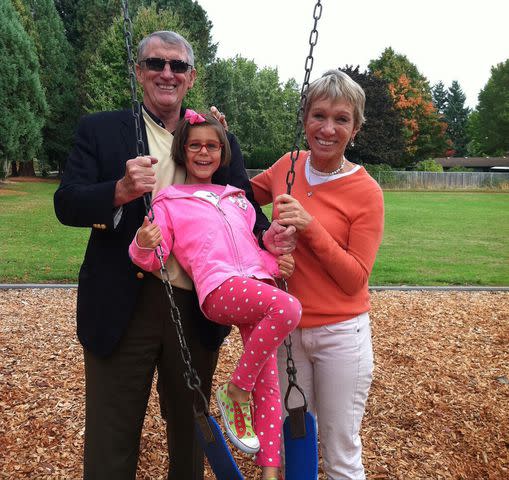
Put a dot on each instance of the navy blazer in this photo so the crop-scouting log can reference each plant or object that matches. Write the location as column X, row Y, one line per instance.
column 108, row 281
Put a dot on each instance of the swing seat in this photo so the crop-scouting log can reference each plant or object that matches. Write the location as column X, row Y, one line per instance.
column 215, row 448
column 301, row 445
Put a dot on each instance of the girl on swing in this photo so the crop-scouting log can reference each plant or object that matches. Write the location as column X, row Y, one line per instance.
column 208, row 228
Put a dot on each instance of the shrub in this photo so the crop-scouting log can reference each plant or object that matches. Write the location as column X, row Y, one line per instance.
column 428, row 165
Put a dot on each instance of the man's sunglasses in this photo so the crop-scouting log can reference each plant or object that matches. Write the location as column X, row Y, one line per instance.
column 158, row 64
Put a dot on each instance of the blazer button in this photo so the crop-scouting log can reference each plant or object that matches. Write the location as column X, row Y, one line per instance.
column 140, row 275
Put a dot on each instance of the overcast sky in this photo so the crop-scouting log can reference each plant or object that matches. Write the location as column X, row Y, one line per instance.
column 446, row 39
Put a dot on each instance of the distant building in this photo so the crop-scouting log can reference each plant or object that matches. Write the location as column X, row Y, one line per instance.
column 478, row 164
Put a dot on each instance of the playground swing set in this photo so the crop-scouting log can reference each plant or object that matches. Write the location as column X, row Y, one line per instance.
column 299, row 427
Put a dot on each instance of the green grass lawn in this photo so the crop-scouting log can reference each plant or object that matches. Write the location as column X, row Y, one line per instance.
column 430, row 238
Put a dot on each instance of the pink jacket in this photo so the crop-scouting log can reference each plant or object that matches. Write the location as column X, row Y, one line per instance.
column 209, row 229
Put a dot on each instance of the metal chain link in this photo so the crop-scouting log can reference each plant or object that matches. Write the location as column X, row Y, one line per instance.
column 190, row 374
column 135, row 104
column 308, row 67
column 291, row 370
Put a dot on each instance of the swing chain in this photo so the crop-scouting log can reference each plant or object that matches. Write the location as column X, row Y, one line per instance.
column 190, row 375
column 291, row 370
column 308, row 66
column 135, row 103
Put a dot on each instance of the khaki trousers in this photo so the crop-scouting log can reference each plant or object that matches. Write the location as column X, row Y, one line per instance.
column 118, row 389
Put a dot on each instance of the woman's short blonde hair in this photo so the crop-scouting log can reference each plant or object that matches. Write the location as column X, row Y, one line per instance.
column 337, row 85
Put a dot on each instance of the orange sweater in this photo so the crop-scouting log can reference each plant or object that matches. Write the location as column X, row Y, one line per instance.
column 336, row 252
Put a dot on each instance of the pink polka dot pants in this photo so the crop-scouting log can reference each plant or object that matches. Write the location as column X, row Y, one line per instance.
column 265, row 315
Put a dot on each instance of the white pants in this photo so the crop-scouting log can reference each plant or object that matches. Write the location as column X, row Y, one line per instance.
column 334, row 368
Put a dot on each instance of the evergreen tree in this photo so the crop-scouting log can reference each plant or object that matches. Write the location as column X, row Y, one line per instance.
column 22, row 102
column 195, row 21
column 456, row 116
column 58, row 80
column 380, row 139
column 490, row 128
column 439, row 97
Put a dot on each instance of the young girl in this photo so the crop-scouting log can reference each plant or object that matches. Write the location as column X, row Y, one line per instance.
column 209, row 230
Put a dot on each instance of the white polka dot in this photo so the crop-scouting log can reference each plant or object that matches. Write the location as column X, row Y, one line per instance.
column 281, row 311
column 273, row 327
column 247, row 300
column 260, row 339
column 271, row 443
column 258, row 293
column 221, row 298
column 271, row 425
column 270, row 460
column 263, row 399
column 233, row 299
column 231, row 289
column 276, row 339
column 290, row 298
column 260, row 303
column 272, row 372
column 231, row 280
column 289, row 322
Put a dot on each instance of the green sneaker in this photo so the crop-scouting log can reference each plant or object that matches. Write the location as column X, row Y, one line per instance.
column 237, row 421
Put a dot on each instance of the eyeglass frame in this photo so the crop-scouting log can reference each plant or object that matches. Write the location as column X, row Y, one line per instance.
column 218, row 144
column 188, row 66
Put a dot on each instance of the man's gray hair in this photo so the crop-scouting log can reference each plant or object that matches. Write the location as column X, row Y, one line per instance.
column 170, row 38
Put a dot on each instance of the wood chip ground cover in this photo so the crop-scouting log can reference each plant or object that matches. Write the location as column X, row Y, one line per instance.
column 438, row 408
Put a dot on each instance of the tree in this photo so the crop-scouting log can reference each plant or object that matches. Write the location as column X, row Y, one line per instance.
column 22, row 102
column 439, row 97
column 423, row 129
column 195, row 21
column 58, row 80
column 490, row 127
column 456, row 116
column 380, row 139
column 260, row 111
column 106, row 84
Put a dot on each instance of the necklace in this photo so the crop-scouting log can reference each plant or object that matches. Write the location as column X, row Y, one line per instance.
column 326, row 174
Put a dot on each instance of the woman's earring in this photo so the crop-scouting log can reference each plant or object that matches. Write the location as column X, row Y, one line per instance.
column 352, row 143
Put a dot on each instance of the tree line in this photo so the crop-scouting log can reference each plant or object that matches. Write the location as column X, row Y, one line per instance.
column 65, row 58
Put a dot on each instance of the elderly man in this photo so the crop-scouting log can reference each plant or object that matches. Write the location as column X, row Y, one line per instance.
column 123, row 313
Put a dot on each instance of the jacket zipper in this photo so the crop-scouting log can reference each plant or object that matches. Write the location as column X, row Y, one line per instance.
column 232, row 238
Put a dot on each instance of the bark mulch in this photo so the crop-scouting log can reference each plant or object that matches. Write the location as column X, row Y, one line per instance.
column 438, row 407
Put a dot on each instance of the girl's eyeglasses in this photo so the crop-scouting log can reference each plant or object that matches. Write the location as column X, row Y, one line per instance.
column 209, row 146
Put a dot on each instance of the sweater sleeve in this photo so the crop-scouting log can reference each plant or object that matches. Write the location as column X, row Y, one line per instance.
column 146, row 258
column 262, row 187
column 350, row 265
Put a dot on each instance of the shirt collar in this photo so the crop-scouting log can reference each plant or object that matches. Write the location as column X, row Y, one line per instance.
column 159, row 122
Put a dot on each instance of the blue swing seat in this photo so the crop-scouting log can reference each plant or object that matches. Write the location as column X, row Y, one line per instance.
column 301, row 445
column 216, row 450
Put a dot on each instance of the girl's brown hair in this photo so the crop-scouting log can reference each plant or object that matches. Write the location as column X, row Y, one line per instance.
column 178, row 150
